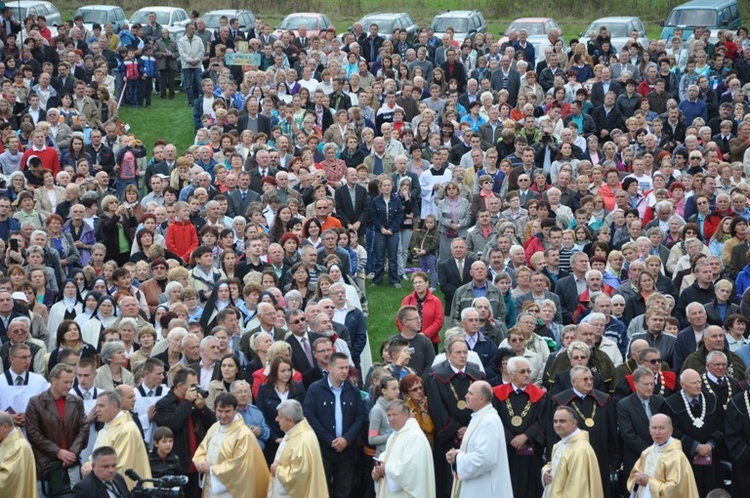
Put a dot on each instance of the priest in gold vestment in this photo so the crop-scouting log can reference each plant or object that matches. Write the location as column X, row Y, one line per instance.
column 297, row 470
column 230, row 457
column 17, row 467
column 574, row 469
column 663, row 470
column 121, row 433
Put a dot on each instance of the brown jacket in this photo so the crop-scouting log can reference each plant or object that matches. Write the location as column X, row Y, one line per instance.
column 151, row 291
column 43, row 427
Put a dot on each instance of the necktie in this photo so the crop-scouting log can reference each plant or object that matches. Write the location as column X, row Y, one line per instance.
column 150, row 393
column 244, row 196
column 648, row 409
column 112, row 488
column 460, row 372
column 519, row 391
column 87, row 396
column 694, row 408
column 308, row 352
column 720, row 381
column 461, row 267
column 19, row 380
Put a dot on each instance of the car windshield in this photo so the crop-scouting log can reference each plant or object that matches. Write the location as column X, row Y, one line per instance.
column 295, row 22
column 533, row 29
column 441, row 24
column 18, row 13
column 615, row 30
column 212, row 20
column 93, row 16
column 692, row 17
column 142, row 17
column 384, row 25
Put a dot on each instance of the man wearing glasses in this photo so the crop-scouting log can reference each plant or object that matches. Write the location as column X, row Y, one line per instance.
column 655, row 336
column 522, row 407
column 301, row 341
column 411, row 325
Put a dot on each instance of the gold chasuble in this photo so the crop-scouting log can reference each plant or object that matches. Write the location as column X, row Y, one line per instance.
column 123, row 435
column 238, row 468
column 300, row 471
column 669, row 472
column 17, row 467
column 575, row 469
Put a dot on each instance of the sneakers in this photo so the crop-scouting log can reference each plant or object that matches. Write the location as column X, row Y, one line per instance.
column 397, row 285
column 405, row 277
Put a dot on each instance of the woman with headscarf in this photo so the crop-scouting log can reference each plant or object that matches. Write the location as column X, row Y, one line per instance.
column 104, row 316
column 220, row 298
column 90, row 302
column 337, row 276
column 68, row 306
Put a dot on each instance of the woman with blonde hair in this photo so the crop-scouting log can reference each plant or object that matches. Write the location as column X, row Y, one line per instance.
column 278, row 349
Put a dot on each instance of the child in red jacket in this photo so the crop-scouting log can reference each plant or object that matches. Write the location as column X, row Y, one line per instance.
column 182, row 238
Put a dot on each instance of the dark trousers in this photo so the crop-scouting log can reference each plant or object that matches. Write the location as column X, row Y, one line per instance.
column 167, row 82
column 147, row 88
column 192, row 489
column 385, row 243
column 132, row 90
column 339, row 468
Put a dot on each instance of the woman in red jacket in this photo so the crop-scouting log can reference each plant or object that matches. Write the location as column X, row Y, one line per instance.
column 429, row 306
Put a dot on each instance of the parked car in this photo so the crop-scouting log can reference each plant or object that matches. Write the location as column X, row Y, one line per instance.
column 538, row 29
column 23, row 8
column 101, row 14
column 619, row 31
column 388, row 21
column 465, row 24
column 711, row 14
column 246, row 18
column 315, row 23
column 172, row 18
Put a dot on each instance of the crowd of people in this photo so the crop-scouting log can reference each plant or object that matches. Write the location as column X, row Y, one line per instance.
column 203, row 312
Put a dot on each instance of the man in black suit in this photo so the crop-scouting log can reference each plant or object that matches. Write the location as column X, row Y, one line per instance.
column 371, row 45
column 352, row 203
column 454, row 69
column 600, row 88
column 569, row 288
column 65, row 82
column 242, row 196
column 252, row 120
column 527, row 168
column 454, row 272
column 301, row 340
column 261, row 170
column 302, row 41
column 103, row 481
column 323, row 116
column 633, row 415
column 606, row 116
column 209, row 366
column 322, row 348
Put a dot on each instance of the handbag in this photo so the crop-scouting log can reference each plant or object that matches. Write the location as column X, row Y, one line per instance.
column 55, row 479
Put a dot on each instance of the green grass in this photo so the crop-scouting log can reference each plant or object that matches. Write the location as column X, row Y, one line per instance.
column 173, row 121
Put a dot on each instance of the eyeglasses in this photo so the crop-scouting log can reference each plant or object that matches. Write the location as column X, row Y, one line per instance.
column 297, row 322
column 517, row 339
column 524, row 371
column 580, row 358
column 416, row 388
column 523, row 179
column 655, row 361
column 618, row 304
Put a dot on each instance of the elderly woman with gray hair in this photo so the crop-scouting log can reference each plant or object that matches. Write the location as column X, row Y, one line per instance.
column 113, row 373
column 334, row 168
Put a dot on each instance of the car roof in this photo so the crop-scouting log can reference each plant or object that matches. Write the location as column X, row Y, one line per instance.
column 228, row 11
column 304, row 14
column 159, row 9
column 617, row 19
column 455, row 13
column 27, row 3
column 712, row 4
column 384, row 14
column 98, row 7
column 532, row 19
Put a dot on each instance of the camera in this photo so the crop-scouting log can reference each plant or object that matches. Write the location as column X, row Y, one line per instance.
column 165, row 487
column 201, row 391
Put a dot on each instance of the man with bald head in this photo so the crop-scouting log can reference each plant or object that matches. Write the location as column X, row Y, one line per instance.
column 17, row 468
column 715, row 340
column 480, row 465
column 698, row 419
column 127, row 402
column 629, row 366
column 659, row 465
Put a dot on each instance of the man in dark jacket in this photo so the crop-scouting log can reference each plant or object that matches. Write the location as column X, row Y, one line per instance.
column 702, row 291
column 335, row 411
column 184, row 411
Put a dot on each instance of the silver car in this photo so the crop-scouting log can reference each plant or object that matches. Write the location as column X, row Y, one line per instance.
column 619, row 31
column 172, row 18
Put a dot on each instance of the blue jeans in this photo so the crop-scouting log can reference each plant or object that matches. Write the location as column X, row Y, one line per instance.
column 382, row 244
column 369, row 246
column 121, row 184
column 191, row 83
